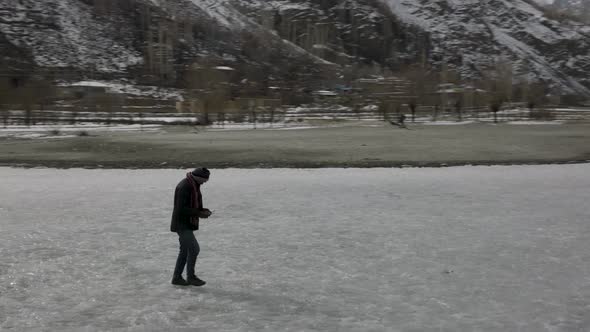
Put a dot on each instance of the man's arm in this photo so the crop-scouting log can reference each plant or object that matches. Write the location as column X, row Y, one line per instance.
column 183, row 204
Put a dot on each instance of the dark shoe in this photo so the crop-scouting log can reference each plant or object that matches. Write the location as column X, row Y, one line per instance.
column 195, row 281
column 179, row 281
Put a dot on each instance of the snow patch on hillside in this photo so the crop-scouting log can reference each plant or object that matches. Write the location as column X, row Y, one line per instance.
column 223, row 13
column 280, row 5
column 132, row 89
column 66, row 34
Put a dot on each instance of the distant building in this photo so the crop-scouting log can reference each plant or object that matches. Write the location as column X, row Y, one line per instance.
column 82, row 89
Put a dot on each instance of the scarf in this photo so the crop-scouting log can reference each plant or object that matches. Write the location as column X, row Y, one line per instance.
column 196, row 200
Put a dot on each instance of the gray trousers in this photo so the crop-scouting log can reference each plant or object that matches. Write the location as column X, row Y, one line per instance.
column 189, row 250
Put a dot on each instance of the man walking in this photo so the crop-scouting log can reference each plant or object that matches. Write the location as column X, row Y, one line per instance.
column 188, row 208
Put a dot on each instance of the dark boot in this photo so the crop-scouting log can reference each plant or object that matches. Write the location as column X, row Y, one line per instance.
column 195, row 281
column 179, row 281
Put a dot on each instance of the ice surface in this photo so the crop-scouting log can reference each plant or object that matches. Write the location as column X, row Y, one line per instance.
column 501, row 248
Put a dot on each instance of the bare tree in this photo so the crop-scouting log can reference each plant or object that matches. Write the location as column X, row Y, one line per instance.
column 253, row 107
column 495, row 105
column 108, row 104
column 4, row 111
column 383, row 108
column 209, row 88
column 412, row 107
column 536, row 96
column 30, row 94
column 459, row 109
column 423, row 82
column 103, row 7
column 436, row 111
column 499, row 86
column 536, row 99
column 6, row 98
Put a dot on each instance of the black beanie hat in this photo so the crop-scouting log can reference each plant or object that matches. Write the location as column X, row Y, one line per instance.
column 201, row 172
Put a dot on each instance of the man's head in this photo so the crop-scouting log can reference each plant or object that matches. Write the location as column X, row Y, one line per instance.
column 201, row 175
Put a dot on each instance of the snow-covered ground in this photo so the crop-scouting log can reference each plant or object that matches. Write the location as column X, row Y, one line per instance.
column 501, row 248
column 69, row 131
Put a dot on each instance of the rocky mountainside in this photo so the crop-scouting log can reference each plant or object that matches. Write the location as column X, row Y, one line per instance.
column 474, row 35
column 155, row 41
column 577, row 8
column 571, row 4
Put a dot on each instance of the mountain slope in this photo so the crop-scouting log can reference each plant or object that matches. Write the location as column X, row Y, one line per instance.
column 295, row 38
column 140, row 38
column 473, row 35
column 65, row 33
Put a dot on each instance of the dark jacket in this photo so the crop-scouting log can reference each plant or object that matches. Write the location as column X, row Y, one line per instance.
column 183, row 212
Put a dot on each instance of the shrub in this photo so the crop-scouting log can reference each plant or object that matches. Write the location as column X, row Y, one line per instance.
column 542, row 114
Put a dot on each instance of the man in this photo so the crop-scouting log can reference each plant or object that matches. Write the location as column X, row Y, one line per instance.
column 188, row 208
column 401, row 121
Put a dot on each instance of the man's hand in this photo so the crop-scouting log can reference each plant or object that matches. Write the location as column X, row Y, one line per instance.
column 205, row 213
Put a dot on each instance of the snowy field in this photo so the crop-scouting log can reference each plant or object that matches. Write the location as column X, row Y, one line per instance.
column 502, row 248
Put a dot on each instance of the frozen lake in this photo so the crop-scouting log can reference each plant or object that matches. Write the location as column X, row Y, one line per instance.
column 502, row 248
